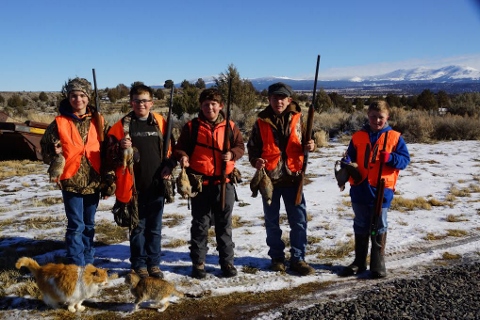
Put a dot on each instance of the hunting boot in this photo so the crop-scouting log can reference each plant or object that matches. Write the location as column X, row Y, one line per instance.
column 360, row 263
column 377, row 256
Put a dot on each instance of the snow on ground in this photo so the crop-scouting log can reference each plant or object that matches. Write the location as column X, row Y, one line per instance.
column 435, row 173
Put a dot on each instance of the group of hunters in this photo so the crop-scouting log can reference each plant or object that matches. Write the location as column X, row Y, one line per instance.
column 95, row 168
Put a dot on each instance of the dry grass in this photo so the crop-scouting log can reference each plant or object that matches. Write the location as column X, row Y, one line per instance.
column 46, row 202
column 44, row 222
column 432, row 236
column 455, row 218
column 7, row 279
column 456, row 233
column 16, row 168
column 250, row 269
column 237, row 222
column 340, row 250
column 449, row 233
column 174, row 243
column 27, row 288
column 451, row 256
column 107, row 232
column 402, row 204
column 172, row 220
column 464, row 192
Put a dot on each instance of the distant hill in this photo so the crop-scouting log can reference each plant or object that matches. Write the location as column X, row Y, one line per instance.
column 452, row 79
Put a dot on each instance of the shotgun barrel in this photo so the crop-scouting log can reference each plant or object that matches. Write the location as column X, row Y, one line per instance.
column 307, row 136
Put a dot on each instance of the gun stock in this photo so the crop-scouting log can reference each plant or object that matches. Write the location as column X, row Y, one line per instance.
column 226, row 147
column 96, row 114
column 307, row 136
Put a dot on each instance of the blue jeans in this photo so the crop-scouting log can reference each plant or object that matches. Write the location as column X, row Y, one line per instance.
column 80, row 210
column 297, row 219
column 362, row 221
column 145, row 239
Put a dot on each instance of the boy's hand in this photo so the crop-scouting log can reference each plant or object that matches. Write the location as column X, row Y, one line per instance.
column 384, row 156
column 126, row 143
column 227, row 156
column 309, row 146
column 260, row 163
column 184, row 163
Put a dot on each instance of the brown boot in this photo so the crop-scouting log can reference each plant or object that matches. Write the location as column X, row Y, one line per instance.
column 377, row 256
column 360, row 263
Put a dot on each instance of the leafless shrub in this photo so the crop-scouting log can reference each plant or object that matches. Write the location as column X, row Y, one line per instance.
column 415, row 125
column 332, row 123
column 321, row 138
column 455, row 127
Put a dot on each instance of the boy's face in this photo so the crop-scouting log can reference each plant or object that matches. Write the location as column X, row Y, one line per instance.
column 377, row 120
column 279, row 102
column 78, row 101
column 141, row 104
column 211, row 109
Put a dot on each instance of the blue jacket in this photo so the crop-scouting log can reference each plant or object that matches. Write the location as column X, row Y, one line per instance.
column 364, row 193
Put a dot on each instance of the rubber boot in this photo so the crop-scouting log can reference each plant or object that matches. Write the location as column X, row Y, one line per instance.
column 360, row 263
column 377, row 256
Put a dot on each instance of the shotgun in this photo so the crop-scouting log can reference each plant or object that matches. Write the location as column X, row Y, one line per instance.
column 226, row 147
column 168, row 183
column 377, row 213
column 168, row 133
column 97, row 117
column 307, row 137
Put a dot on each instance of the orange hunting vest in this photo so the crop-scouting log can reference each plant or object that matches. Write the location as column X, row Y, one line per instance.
column 73, row 147
column 369, row 167
column 124, row 180
column 206, row 157
column 272, row 153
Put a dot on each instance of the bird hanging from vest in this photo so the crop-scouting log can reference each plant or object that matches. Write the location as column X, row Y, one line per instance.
column 56, row 168
column 262, row 182
column 184, row 187
column 128, row 154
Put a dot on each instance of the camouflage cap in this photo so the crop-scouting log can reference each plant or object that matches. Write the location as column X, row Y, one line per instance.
column 80, row 84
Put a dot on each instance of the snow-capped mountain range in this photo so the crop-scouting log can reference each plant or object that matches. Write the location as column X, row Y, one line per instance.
column 454, row 78
column 450, row 73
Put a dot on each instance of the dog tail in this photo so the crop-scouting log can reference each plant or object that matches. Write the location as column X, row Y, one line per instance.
column 29, row 263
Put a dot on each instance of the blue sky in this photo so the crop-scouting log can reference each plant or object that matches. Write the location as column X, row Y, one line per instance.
column 45, row 42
